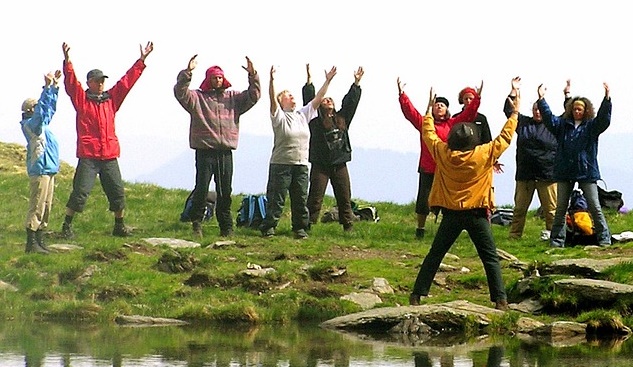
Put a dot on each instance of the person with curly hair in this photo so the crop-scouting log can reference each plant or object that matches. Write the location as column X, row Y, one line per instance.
column 577, row 131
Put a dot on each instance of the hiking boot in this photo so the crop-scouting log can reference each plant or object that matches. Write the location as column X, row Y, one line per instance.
column 502, row 305
column 67, row 231
column 301, row 234
column 268, row 232
column 31, row 244
column 419, row 233
column 196, row 229
column 40, row 245
column 414, row 300
column 121, row 230
column 228, row 232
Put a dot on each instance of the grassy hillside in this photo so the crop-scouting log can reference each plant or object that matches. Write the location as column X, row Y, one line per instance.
column 112, row 276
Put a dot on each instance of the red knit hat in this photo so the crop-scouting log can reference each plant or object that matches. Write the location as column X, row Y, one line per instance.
column 211, row 72
column 464, row 91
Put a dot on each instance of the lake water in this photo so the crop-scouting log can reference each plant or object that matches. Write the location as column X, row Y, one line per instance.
column 46, row 344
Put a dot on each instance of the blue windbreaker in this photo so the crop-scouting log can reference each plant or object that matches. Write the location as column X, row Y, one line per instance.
column 42, row 149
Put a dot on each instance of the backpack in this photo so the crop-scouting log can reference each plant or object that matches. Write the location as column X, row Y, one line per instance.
column 208, row 212
column 365, row 212
column 252, row 211
column 580, row 229
column 502, row 216
column 610, row 199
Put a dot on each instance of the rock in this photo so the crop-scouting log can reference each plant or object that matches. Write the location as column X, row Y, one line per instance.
column 7, row 287
column 528, row 325
column 444, row 316
column 256, row 273
column 147, row 321
column 174, row 243
column 64, row 247
column 592, row 290
column 381, row 286
column 531, row 306
column 582, row 267
column 366, row 300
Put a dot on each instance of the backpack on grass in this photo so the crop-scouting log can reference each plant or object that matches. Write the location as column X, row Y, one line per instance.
column 252, row 211
column 580, row 229
column 185, row 216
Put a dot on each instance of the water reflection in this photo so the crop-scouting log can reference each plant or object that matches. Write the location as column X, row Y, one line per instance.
column 49, row 344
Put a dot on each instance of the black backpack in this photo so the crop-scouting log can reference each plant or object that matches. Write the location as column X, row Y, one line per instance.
column 185, row 216
column 252, row 211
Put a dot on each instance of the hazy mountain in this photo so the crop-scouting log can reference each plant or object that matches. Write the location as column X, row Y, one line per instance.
column 379, row 175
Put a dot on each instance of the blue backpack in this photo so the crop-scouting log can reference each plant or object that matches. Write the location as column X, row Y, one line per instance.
column 185, row 216
column 252, row 211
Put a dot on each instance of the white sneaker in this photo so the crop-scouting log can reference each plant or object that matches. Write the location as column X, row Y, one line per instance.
column 545, row 234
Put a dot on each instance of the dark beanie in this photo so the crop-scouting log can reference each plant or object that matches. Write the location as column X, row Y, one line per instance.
column 463, row 137
column 442, row 100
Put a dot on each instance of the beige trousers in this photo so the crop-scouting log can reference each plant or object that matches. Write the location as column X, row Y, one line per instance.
column 40, row 201
column 523, row 193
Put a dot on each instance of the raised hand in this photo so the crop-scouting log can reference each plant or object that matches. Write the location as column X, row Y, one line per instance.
column 400, row 86
column 147, row 50
column 249, row 67
column 431, row 100
column 567, row 88
column 541, row 91
column 480, row 89
column 66, row 49
column 309, row 76
column 358, row 75
column 516, row 83
column 516, row 102
column 192, row 63
column 329, row 75
column 606, row 90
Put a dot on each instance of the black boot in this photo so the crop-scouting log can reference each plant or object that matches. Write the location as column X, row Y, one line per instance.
column 31, row 243
column 39, row 239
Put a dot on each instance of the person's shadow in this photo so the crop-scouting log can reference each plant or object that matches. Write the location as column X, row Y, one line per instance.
column 495, row 356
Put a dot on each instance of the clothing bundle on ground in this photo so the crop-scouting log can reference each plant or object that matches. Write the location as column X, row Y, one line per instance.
column 580, row 228
column 361, row 212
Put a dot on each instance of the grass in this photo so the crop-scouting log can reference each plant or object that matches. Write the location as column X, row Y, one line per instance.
column 113, row 276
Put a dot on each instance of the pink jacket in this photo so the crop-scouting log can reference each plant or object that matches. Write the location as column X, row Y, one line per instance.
column 427, row 164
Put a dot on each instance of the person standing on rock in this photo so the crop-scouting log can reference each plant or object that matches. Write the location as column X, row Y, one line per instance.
column 462, row 190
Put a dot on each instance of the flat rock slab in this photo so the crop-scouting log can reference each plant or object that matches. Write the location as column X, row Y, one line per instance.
column 438, row 316
column 147, row 320
column 171, row 242
column 583, row 267
column 595, row 290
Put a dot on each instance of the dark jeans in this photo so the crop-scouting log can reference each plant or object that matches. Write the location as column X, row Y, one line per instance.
column 84, row 180
column 284, row 178
column 219, row 165
column 476, row 222
column 339, row 176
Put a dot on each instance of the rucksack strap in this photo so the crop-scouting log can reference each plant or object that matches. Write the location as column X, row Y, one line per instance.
column 262, row 201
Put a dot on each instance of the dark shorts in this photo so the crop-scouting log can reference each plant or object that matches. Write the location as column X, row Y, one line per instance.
column 424, row 189
column 84, row 179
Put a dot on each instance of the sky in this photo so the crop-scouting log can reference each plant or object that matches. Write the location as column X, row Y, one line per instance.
column 446, row 45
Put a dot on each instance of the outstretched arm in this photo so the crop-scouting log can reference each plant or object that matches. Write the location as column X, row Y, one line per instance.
column 307, row 92
column 321, row 93
column 271, row 91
